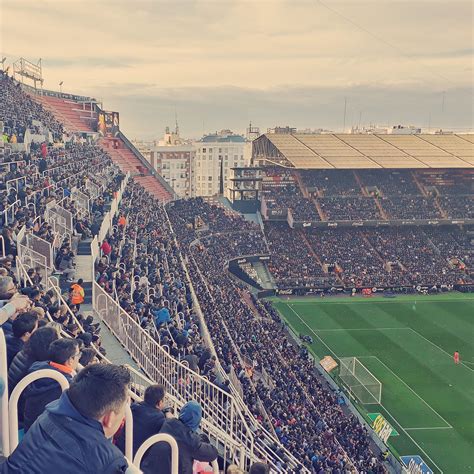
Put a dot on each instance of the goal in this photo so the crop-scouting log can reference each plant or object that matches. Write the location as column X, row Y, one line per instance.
column 360, row 381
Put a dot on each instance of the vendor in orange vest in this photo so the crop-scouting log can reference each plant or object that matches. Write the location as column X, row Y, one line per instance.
column 76, row 294
column 122, row 221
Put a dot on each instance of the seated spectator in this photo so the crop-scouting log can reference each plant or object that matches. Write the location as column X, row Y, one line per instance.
column 35, row 350
column 64, row 357
column 23, row 327
column 10, row 308
column 191, row 447
column 148, row 418
column 88, row 357
column 162, row 316
column 259, row 468
column 71, row 435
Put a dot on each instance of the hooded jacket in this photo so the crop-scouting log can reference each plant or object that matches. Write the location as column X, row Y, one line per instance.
column 147, row 421
column 63, row 441
column 157, row 459
column 41, row 392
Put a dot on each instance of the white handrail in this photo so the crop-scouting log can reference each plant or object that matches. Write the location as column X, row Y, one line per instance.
column 156, row 439
column 18, row 390
column 129, row 431
column 3, row 245
column 5, row 432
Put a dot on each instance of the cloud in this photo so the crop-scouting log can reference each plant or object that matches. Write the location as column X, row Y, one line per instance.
column 273, row 61
column 209, row 109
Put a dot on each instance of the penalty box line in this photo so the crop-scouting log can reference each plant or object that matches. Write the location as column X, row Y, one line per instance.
column 401, row 427
column 448, row 425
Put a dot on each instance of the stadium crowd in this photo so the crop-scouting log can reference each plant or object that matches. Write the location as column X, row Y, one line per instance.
column 345, row 195
column 380, row 257
column 304, row 414
column 20, row 113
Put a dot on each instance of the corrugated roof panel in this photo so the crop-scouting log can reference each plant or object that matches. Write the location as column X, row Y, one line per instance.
column 374, row 151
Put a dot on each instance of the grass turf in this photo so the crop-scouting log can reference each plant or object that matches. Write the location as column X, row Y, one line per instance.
column 407, row 343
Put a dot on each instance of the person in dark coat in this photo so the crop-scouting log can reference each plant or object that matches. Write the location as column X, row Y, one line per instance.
column 35, row 350
column 22, row 329
column 148, row 418
column 64, row 357
column 70, row 437
column 157, row 459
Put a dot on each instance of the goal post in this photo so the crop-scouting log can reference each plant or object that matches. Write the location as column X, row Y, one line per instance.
column 360, row 381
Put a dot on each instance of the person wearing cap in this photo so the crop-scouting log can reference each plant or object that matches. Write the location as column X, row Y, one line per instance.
column 191, row 445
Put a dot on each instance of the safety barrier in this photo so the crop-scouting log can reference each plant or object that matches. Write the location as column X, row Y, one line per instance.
column 18, row 390
column 179, row 381
column 81, row 201
column 156, row 439
column 9, row 212
column 4, row 426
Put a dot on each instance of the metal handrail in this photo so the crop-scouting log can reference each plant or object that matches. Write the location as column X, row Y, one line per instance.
column 5, row 427
column 156, row 439
column 18, row 390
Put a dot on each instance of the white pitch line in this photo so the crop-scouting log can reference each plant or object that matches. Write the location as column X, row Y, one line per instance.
column 311, row 329
column 440, row 348
column 404, row 383
column 401, row 427
column 430, row 428
column 357, row 329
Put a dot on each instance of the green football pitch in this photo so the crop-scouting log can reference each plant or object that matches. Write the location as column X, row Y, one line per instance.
column 408, row 343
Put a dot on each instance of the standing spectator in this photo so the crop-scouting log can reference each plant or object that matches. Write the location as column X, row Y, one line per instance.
column 106, row 248
column 77, row 294
column 64, row 357
column 71, row 435
column 23, row 327
column 148, row 418
column 191, row 446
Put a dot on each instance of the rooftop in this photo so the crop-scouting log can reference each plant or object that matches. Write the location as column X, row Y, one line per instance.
column 347, row 151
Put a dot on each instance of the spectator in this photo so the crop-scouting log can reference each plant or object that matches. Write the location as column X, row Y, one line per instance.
column 148, row 418
column 191, row 447
column 23, row 327
column 10, row 308
column 259, row 468
column 35, row 350
column 72, row 434
column 64, row 357
column 88, row 357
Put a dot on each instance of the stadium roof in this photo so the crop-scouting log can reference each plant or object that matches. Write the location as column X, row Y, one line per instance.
column 347, row 151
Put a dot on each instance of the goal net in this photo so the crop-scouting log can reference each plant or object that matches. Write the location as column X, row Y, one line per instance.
column 360, row 381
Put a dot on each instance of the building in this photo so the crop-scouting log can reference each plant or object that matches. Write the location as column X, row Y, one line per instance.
column 216, row 154
column 174, row 159
column 144, row 147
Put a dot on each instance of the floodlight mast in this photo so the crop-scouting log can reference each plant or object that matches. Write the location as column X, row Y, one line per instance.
column 28, row 70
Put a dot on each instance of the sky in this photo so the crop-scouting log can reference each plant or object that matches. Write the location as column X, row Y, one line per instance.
column 222, row 63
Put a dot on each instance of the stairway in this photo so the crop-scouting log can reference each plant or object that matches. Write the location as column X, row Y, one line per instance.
column 321, row 213
column 361, row 185
column 87, row 285
column 381, row 209
column 122, row 156
column 76, row 117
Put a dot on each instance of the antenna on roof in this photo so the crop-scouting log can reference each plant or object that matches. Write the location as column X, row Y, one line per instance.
column 176, row 122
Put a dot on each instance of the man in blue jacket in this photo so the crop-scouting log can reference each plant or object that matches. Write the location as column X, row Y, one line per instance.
column 70, row 437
